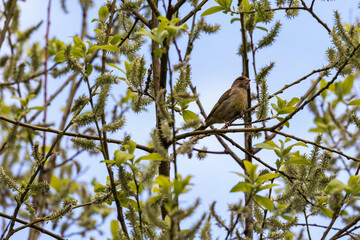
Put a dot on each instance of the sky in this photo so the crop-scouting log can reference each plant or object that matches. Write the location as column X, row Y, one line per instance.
column 299, row 49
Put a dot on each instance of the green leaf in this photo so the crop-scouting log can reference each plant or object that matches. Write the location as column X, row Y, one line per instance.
column 286, row 110
column 116, row 39
column 38, row 108
column 293, row 101
column 55, row 183
column 121, row 157
column 250, row 169
column 131, row 147
column 353, row 181
column 23, row 102
column 158, row 52
column 99, row 188
column 114, row 66
column 242, row 187
column 327, row 212
column 60, row 56
column 108, row 161
column 151, row 156
column 322, row 85
column 265, row 202
column 212, row 10
column 355, row 102
column 287, row 124
column 79, row 43
column 103, row 13
column 234, row 19
column 268, row 145
column 266, row 177
column 300, row 161
column 348, row 84
column 267, row 187
column 262, row 28
column 334, row 186
column 163, row 182
column 89, row 69
column 109, row 47
column 189, row 115
column 77, row 53
column 114, row 226
column 246, row 5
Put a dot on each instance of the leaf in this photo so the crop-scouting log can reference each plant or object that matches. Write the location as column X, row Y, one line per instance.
column 163, row 181
column 246, row 5
column 262, row 28
column 103, row 13
column 121, row 157
column 60, row 56
column 38, row 108
column 265, row 202
column 327, row 212
column 158, row 52
column 77, row 53
column 268, row 145
column 79, row 43
column 151, row 156
column 355, row 102
column 55, row 183
column 334, row 186
column 131, row 147
column 212, row 10
column 109, row 47
column 114, row 66
column 189, row 115
column 99, row 188
column 353, row 181
column 300, row 144
column 89, row 69
column 266, row 177
column 348, row 84
column 287, row 124
column 322, row 85
column 242, row 187
column 114, row 226
column 250, row 169
column 300, row 161
column 116, row 39
column 234, row 20
column 286, row 110
column 293, row 101
column 267, row 186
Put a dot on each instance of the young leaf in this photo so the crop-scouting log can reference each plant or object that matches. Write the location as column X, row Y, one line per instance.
column 265, row 202
column 212, row 10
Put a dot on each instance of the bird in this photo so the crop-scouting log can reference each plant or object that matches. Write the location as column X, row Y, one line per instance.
column 231, row 105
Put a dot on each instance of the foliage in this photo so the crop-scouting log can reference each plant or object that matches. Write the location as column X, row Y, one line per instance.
column 106, row 76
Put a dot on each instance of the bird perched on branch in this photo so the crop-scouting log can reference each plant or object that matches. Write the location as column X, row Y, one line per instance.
column 231, row 104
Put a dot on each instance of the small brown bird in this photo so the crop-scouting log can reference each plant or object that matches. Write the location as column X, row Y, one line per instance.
column 231, row 104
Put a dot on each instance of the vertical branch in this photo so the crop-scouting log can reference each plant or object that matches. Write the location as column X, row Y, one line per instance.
column 247, row 119
column 46, row 70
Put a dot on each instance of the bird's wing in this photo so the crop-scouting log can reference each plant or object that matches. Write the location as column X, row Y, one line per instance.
column 223, row 98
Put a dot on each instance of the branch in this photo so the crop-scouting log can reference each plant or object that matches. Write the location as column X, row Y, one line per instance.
column 288, row 117
column 33, row 226
column 47, row 129
column 128, row 35
column 192, row 12
column 154, row 8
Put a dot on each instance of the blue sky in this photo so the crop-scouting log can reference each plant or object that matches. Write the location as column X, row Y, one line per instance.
column 299, row 49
